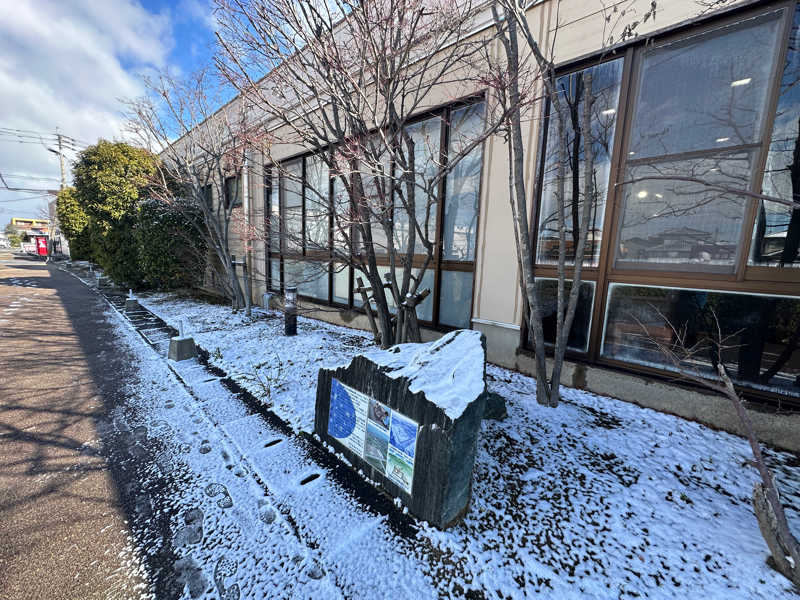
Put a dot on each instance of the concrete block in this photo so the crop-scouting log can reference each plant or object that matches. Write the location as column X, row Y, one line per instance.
column 181, row 348
column 409, row 417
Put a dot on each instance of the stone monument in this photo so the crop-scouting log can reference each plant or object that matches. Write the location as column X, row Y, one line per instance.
column 409, row 418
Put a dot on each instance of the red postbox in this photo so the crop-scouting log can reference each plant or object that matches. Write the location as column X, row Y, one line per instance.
column 41, row 245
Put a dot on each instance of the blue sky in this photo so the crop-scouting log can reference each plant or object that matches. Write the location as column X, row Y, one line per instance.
column 68, row 64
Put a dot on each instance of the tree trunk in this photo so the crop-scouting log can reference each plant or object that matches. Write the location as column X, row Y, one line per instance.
column 769, row 511
column 785, row 552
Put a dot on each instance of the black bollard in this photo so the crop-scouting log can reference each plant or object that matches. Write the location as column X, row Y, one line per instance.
column 290, row 312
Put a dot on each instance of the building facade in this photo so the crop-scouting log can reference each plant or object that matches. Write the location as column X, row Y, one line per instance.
column 696, row 131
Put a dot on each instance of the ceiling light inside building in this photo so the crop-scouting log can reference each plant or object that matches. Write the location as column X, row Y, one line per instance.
column 609, row 111
column 740, row 82
column 659, row 195
column 642, row 194
column 722, row 139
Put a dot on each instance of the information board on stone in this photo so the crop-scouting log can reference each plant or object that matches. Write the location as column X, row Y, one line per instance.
column 383, row 437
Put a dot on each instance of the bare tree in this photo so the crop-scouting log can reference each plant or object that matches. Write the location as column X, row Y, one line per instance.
column 687, row 357
column 346, row 78
column 205, row 152
column 526, row 80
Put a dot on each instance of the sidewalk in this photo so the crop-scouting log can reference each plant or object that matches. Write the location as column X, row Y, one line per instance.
column 63, row 526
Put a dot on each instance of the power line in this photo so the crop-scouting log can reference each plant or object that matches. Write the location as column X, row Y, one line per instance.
column 33, row 177
column 37, row 197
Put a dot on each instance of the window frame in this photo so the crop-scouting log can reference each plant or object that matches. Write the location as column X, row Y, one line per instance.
column 438, row 264
column 746, row 279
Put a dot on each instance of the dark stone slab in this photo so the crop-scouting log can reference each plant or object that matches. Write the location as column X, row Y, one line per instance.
column 447, row 402
column 495, row 407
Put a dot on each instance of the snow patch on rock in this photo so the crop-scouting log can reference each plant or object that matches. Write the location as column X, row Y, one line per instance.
column 449, row 371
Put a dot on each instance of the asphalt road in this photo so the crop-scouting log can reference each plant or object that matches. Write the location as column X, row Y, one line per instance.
column 63, row 522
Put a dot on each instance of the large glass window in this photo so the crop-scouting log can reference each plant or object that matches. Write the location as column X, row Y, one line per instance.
column 376, row 201
column 292, row 200
column 463, row 186
column 310, row 277
column 455, row 308
column 317, row 203
column 685, row 223
column 547, row 292
column 605, row 86
column 698, row 125
column 697, row 128
column 760, row 333
column 776, row 236
column 426, row 136
column 311, row 253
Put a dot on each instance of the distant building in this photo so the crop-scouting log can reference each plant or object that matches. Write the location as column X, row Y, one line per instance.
column 29, row 229
column 31, row 226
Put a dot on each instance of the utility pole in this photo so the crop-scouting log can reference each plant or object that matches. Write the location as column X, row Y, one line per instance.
column 61, row 160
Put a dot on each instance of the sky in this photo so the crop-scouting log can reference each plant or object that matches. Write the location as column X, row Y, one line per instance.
column 66, row 65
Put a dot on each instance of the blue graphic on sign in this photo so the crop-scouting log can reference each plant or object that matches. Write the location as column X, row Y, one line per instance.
column 403, row 435
column 342, row 415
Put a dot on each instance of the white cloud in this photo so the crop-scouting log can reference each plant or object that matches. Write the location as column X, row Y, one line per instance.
column 201, row 11
column 67, row 65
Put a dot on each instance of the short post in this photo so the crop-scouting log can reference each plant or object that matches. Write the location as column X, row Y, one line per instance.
column 131, row 303
column 181, row 347
column 290, row 311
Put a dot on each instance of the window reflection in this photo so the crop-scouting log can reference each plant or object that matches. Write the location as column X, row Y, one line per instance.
column 707, row 91
column 686, row 224
column 273, row 213
column 316, row 203
column 426, row 164
column 776, row 237
column 310, row 277
column 292, row 198
column 606, row 80
column 762, row 332
column 547, row 293
column 455, row 306
column 463, row 185
column 702, row 95
column 375, row 203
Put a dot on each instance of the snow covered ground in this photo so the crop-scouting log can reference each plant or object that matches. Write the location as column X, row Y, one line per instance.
column 597, row 498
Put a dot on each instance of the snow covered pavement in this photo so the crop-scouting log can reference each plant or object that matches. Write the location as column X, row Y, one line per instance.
column 595, row 499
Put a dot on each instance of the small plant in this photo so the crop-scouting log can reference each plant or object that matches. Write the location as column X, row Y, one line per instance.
column 217, row 354
column 273, row 381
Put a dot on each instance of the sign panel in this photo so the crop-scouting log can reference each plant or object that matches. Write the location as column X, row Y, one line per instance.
column 383, row 437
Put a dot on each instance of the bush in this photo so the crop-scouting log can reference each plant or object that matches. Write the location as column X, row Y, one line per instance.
column 74, row 223
column 171, row 251
column 115, row 249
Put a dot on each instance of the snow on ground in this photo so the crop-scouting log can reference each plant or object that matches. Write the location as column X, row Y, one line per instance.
column 597, row 498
